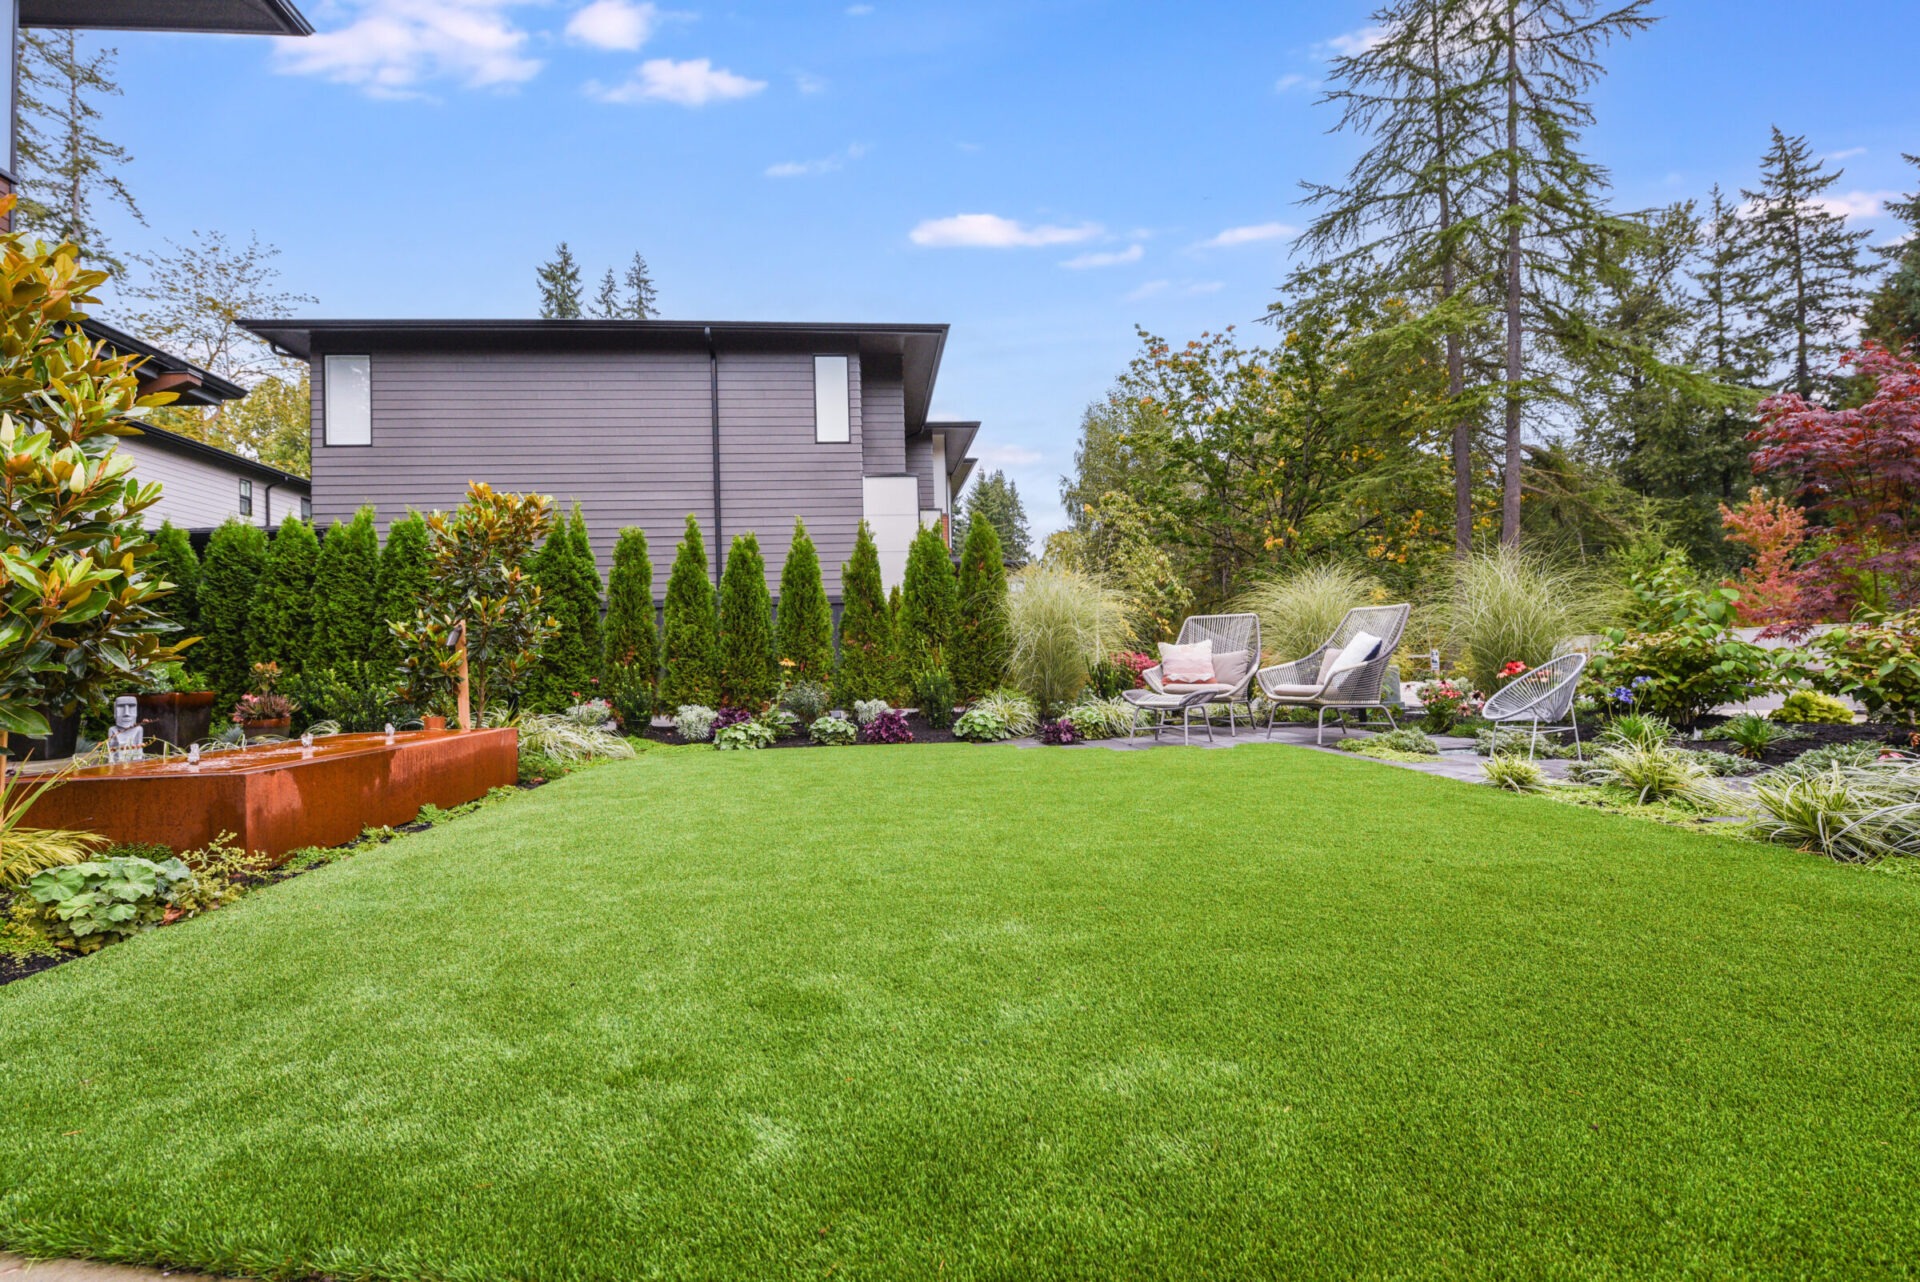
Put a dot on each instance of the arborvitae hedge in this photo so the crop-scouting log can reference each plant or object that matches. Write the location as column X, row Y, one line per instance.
column 569, row 582
column 867, row 669
column 749, row 677
column 280, row 626
column 235, row 556
column 981, row 642
column 402, row 585
column 632, row 641
column 345, row 593
column 929, row 604
column 804, row 627
column 689, row 649
column 179, row 565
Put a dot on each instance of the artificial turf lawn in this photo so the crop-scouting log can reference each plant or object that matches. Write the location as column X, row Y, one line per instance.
column 966, row 1012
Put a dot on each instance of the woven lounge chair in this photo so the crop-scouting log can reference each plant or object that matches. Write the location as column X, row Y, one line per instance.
column 1333, row 680
column 1236, row 653
column 1542, row 695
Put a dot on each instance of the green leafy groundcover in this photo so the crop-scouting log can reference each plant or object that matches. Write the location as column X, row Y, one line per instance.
column 989, row 1012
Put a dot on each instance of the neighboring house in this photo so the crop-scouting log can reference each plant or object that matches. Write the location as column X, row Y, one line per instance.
column 201, row 485
column 642, row 422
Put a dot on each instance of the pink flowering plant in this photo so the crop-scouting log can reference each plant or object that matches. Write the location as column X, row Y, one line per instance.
column 1445, row 703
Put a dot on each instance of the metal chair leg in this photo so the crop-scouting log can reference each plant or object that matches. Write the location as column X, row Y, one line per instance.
column 1574, row 717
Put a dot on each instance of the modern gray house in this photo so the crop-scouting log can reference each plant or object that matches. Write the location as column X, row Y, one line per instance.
column 201, row 485
column 744, row 425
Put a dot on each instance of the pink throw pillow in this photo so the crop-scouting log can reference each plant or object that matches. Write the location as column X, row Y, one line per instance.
column 1187, row 663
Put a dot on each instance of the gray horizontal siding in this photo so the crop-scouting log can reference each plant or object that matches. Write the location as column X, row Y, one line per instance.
column 197, row 493
column 920, row 463
column 626, row 434
column 773, row 470
column 884, row 403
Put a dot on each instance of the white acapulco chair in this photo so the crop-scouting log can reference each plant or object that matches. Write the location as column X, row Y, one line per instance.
column 1542, row 698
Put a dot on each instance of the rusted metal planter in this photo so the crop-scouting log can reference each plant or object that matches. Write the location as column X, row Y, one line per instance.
column 281, row 797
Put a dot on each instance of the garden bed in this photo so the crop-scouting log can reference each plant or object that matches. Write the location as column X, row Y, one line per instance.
column 1817, row 736
column 922, row 733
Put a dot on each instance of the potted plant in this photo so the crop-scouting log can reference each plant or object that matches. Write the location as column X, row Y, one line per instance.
column 177, row 708
column 439, row 708
column 264, row 712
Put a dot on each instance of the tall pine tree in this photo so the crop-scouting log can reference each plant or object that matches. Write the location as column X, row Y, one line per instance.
column 236, row 554
column 867, row 667
column 1893, row 314
column 804, row 629
column 997, row 499
column 981, row 643
column 401, row 586
column 929, row 604
column 689, row 648
column 642, row 297
column 67, row 169
column 1802, row 276
column 569, row 580
column 280, row 626
column 559, row 281
column 345, row 593
column 632, row 640
column 606, row 303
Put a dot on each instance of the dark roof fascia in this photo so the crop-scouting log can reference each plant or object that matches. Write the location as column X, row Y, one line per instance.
column 178, row 444
column 920, row 347
column 959, row 434
column 213, row 17
column 212, row 390
column 960, row 475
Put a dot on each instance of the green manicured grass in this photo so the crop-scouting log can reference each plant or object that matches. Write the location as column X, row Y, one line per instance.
column 991, row 1012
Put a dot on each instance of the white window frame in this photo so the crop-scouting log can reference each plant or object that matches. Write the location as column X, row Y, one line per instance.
column 333, row 400
column 830, row 428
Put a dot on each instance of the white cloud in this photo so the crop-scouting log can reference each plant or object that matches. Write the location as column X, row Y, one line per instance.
column 1350, row 43
column 814, row 168
column 1011, row 456
column 808, row 83
column 990, row 231
column 1148, row 290
column 693, row 83
column 1848, row 154
column 1233, row 237
column 1205, row 287
column 1293, row 80
column 612, row 24
column 859, row 10
column 1857, row 204
column 1131, row 254
column 391, row 48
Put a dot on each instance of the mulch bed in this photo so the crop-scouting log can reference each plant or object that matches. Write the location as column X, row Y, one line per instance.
column 1817, row 736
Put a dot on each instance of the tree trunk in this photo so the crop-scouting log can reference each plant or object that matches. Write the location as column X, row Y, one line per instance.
column 1456, row 359
column 1510, row 494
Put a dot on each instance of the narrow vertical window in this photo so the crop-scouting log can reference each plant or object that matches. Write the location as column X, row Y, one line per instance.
column 306, row 508
column 348, row 408
column 832, row 416
column 246, row 497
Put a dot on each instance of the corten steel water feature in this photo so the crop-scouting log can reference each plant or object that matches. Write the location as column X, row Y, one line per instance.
column 282, row 797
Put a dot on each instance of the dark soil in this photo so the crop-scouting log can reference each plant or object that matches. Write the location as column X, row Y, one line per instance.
column 922, row 733
column 1817, row 736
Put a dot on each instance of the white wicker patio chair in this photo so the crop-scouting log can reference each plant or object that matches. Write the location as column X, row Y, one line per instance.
column 1541, row 697
column 1236, row 653
column 1319, row 681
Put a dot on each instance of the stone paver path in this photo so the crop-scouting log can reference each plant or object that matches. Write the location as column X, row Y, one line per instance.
column 15, row 1269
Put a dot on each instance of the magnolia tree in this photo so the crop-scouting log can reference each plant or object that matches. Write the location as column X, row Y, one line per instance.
column 1858, row 469
column 476, row 557
column 78, row 606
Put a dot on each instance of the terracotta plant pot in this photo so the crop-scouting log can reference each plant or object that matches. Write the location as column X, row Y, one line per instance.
column 434, row 723
column 275, row 726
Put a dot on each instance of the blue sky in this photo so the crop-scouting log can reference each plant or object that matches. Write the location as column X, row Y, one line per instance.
column 1040, row 174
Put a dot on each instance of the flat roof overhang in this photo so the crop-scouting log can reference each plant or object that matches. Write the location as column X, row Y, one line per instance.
column 163, row 370
column 917, row 347
column 219, row 17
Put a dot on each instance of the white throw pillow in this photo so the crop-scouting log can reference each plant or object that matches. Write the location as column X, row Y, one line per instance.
column 1351, row 656
column 1187, row 662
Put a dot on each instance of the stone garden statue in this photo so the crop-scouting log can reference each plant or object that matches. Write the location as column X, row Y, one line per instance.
column 127, row 741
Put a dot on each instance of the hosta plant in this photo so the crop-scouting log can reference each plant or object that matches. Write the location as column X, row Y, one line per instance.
column 744, row 735
column 833, row 732
column 1097, row 718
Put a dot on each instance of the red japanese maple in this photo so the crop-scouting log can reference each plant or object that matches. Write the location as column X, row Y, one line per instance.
column 1859, row 468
